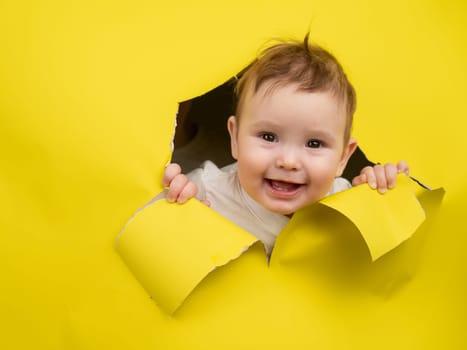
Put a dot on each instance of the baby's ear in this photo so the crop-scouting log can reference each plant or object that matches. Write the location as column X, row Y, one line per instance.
column 349, row 149
column 232, row 126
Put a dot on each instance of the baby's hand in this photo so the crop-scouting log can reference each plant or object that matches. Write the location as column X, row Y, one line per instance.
column 180, row 189
column 381, row 177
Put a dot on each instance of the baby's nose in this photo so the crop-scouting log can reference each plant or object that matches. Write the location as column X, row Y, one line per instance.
column 288, row 159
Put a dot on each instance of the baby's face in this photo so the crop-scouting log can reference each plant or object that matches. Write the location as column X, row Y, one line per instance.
column 289, row 146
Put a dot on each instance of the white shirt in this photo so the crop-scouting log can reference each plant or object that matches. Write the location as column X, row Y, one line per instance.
column 223, row 190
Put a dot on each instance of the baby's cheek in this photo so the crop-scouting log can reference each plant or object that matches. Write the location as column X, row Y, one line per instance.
column 251, row 163
column 323, row 179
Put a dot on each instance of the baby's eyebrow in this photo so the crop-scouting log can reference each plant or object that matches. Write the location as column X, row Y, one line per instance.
column 266, row 124
column 321, row 134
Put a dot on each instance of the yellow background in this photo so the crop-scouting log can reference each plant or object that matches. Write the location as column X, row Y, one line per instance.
column 88, row 96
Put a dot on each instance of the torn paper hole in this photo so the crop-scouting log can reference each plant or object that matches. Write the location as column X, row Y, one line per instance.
column 201, row 132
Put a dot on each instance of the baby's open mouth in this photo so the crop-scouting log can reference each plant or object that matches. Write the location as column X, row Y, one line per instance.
column 283, row 186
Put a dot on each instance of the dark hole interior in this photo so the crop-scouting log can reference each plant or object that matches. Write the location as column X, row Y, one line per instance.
column 201, row 133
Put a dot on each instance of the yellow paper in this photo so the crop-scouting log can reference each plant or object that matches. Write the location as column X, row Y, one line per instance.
column 88, row 96
column 386, row 220
column 170, row 250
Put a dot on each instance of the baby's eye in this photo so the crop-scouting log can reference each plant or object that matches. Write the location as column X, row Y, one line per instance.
column 269, row 137
column 314, row 144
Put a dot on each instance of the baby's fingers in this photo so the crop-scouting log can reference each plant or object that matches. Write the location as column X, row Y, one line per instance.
column 206, row 202
column 376, row 177
column 360, row 179
column 390, row 171
column 189, row 191
column 177, row 185
column 380, row 178
column 170, row 172
column 367, row 175
column 403, row 167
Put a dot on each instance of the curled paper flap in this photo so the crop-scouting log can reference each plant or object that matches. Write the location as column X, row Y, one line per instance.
column 384, row 220
column 336, row 225
column 169, row 252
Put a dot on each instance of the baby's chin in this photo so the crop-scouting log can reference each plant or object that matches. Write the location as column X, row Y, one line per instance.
column 283, row 210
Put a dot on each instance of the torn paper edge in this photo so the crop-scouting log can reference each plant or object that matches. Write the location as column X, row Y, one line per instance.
column 373, row 256
column 235, row 256
column 160, row 196
column 228, row 261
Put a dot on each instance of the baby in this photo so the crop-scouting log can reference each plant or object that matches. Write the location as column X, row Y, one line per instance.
column 290, row 137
